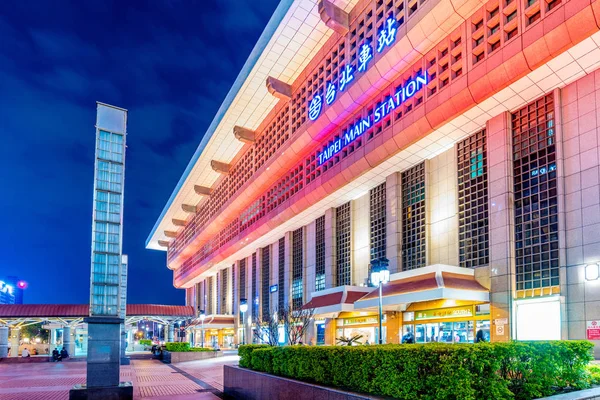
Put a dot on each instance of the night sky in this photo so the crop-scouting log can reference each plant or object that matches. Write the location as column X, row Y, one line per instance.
column 170, row 63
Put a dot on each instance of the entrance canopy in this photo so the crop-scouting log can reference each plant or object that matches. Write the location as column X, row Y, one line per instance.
column 215, row 321
column 329, row 303
column 433, row 282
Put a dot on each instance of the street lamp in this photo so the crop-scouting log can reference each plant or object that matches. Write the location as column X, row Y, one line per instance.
column 243, row 309
column 379, row 276
column 202, row 316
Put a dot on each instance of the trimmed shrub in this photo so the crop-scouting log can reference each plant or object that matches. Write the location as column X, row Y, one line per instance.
column 145, row 342
column 201, row 349
column 245, row 352
column 514, row 370
column 177, row 346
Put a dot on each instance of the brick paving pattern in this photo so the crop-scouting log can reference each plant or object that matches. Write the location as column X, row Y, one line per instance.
column 151, row 379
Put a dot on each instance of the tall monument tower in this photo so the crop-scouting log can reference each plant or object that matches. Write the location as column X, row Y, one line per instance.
column 107, row 283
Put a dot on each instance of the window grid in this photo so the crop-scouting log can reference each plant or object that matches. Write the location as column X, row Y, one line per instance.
column 343, row 244
column 218, row 304
column 281, row 284
column 266, row 271
column 473, row 230
column 320, row 253
column 210, row 303
column 255, row 299
column 377, row 221
column 242, row 282
column 234, row 279
column 413, row 217
column 297, row 268
column 224, row 294
column 536, row 198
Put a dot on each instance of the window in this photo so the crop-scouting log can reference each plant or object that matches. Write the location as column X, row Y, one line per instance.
column 297, row 269
column 342, row 244
column 281, row 286
column 511, row 16
column 473, row 230
column 377, row 221
column 242, row 282
column 266, row 276
column 536, row 198
column 255, row 298
column 413, row 217
column 320, row 253
column 210, row 303
column 224, row 285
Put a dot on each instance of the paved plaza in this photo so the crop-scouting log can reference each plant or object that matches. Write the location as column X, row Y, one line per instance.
column 151, row 379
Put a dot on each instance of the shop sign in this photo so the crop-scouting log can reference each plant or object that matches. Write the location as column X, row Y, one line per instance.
column 593, row 330
column 377, row 115
column 360, row 320
column 456, row 312
column 273, row 288
column 385, row 38
column 501, row 321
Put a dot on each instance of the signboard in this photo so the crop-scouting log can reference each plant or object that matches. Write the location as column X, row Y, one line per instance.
column 273, row 288
column 361, row 320
column 442, row 313
column 501, row 321
column 593, row 330
column 500, row 330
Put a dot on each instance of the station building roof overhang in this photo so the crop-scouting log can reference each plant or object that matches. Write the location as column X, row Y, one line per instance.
column 329, row 303
column 277, row 54
column 434, row 282
column 216, row 321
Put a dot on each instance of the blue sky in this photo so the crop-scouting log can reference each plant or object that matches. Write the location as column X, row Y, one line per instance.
column 170, row 63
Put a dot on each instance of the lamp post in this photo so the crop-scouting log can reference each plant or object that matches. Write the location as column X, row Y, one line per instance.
column 243, row 309
column 379, row 276
column 202, row 316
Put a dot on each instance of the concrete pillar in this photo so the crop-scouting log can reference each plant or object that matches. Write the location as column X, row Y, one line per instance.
column 501, row 211
column 392, row 327
column 330, row 327
column 311, row 254
column 14, row 342
column 68, row 342
column 393, row 220
column 3, row 341
column 220, row 338
column 361, row 246
column 171, row 332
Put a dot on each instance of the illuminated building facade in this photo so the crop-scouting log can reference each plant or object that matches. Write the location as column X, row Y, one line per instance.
column 458, row 139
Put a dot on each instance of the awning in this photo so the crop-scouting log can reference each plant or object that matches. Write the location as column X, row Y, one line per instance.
column 429, row 283
column 216, row 321
column 83, row 310
column 330, row 302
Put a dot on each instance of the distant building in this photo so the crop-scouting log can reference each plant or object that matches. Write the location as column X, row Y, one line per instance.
column 7, row 293
column 18, row 288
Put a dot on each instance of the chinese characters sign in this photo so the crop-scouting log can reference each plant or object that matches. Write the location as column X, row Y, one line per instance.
column 593, row 330
column 385, row 38
column 377, row 115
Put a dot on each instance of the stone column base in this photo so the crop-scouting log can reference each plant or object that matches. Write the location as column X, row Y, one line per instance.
column 122, row 392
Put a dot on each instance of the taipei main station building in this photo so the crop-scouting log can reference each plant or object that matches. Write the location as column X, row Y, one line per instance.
column 455, row 141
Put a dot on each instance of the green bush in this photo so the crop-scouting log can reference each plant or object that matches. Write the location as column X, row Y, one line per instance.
column 145, row 342
column 594, row 374
column 201, row 349
column 515, row 370
column 245, row 352
column 177, row 346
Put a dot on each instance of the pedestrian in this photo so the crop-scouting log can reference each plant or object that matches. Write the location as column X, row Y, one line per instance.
column 480, row 336
column 64, row 354
column 55, row 355
column 25, row 353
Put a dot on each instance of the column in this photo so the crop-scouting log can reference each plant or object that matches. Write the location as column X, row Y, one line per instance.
column 220, row 338
column 393, row 324
column 393, row 220
column 329, row 248
column 68, row 342
column 501, row 211
column 310, row 272
column 14, row 342
column 171, row 332
column 330, row 328
column 361, row 244
column 3, row 341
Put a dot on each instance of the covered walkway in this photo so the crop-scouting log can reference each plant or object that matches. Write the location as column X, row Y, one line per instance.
column 67, row 321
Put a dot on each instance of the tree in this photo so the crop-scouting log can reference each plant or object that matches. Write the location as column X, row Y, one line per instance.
column 294, row 322
column 33, row 331
column 349, row 341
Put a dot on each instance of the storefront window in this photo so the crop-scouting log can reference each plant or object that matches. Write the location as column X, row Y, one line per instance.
column 320, row 334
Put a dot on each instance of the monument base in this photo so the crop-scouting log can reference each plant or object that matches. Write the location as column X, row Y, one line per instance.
column 122, row 392
column 125, row 360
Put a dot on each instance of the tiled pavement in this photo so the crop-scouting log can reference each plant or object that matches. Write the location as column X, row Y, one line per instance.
column 151, row 379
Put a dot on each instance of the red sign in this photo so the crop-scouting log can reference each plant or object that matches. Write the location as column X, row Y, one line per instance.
column 593, row 330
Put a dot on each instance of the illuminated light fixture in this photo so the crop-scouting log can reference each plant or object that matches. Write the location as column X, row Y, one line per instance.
column 21, row 284
column 592, row 272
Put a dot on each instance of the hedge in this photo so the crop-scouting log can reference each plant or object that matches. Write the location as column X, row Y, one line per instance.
column 514, row 370
column 177, row 346
column 145, row 342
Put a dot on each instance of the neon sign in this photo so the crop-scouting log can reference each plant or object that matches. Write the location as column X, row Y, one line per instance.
column 377, row 115
column 386, row 37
